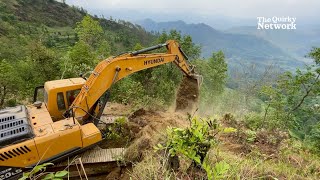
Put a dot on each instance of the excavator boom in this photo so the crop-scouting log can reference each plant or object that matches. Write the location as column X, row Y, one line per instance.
column 113, row 69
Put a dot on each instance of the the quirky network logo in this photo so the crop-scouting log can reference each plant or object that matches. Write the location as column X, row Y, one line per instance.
column 276, row 22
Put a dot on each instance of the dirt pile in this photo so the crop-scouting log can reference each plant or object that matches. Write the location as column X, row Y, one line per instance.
column 147, row 128
column 187, row 95
column 139, row 134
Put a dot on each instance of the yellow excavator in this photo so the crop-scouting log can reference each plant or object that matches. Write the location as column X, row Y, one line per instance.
column 65, row 123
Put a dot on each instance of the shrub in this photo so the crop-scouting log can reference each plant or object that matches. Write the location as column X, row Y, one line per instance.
column 11, row 103
column 194, row 143
column 250, row 136
column 253, row 121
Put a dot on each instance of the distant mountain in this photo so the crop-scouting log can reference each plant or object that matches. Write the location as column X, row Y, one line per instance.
column 296, row 42
column 218, row 21
column 236, row 46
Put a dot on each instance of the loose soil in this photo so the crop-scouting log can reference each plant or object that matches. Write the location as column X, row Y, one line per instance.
column 142, row 131
column 187, row 95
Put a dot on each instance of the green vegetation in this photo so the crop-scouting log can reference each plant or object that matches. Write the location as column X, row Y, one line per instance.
column 276, row 115
column 48, row 40
column 292, row 102
column 68, row 48
column 194, row 143
column 39, row 171
column 214, row 72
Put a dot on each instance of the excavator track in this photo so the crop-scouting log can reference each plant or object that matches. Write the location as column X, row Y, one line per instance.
column 93, row 163
column 96, row 161
column 97, row 155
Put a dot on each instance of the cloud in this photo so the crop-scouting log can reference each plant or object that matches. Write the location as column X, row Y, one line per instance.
column 231, row 8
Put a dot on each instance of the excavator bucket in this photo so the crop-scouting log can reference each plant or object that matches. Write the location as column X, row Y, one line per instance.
column 198, row 78
column 188, row 93
column 194, row 75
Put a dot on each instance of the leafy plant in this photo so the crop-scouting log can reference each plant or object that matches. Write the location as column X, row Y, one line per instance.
column 216, row 172
column 253, row 121
column 116, row 130
column 39, row 171
column 251, row 136
column 56, row 176
column 194, row 142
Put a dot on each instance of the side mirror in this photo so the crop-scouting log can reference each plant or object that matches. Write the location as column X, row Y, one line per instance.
column 38, row 90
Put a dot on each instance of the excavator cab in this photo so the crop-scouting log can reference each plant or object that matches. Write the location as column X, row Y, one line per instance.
column 58, row 95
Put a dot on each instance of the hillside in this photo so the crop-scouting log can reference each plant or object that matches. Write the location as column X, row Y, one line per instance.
column 53, row 22
column 235, row 122
column 237, row 46
column 44, row 32
column 49, row 13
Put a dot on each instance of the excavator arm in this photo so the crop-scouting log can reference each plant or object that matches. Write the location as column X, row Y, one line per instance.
column 113, row 69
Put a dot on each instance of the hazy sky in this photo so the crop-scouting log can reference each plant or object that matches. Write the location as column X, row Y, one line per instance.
column 231, row 8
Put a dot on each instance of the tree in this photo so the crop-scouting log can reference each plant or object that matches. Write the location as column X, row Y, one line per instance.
column 41, row 64
column 81, row 53
column 137, row 47
column 292, row 98
column 214, row 72
column 217, row 72
column 91, row 47
column 80, row 59
column 46, row 58
column 89, row 31
column 192, row 50
column 161, row 82
column 9, row 82
column 104, row 50
column 249, row 78
column 171, row 76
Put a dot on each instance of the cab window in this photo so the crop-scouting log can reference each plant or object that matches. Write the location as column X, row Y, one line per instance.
column 60, row 101
column 71, row 96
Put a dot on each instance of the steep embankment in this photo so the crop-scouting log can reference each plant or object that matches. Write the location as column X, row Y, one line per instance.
column 269, row 155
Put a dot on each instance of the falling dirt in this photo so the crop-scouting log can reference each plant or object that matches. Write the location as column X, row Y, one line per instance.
column 116, row 109
column 187, row 95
